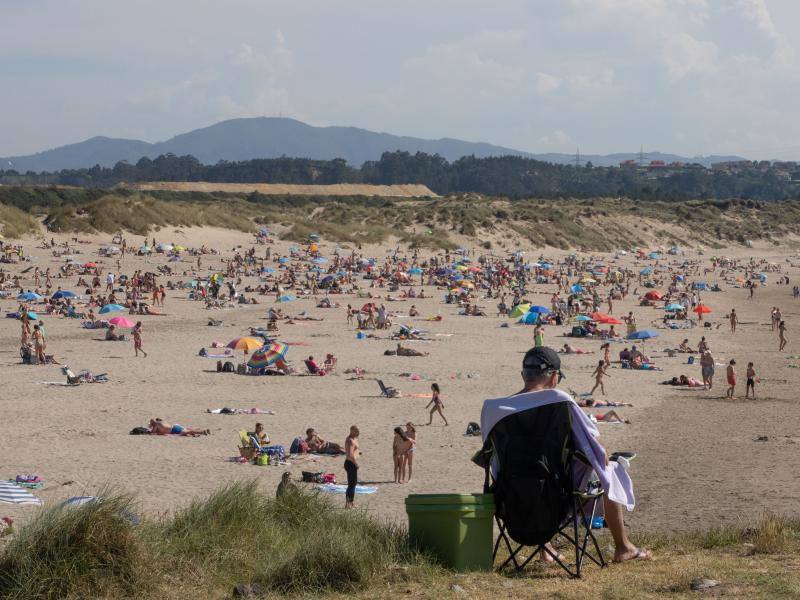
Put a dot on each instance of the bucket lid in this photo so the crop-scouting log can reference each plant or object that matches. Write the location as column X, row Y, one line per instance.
column 469, row 499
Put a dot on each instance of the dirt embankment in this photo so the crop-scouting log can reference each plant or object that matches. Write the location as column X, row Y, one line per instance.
column 280, row 189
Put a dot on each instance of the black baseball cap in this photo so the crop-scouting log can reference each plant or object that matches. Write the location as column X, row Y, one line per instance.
column 543, row 359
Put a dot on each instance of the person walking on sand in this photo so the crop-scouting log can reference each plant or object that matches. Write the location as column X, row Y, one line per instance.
column 734, row 319
column 352, row 453
column 782, row 335
column 731, row 376
column 598, row 374
column 438, row 405
column 751, row 381
column 707, row 368
column 136, row 334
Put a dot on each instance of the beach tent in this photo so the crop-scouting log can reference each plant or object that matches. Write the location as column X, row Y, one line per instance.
column 530, row 318
column 11, row 493
column 519, row 310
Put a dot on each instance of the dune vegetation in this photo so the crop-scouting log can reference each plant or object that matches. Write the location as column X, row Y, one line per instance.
column 602, row 224
column 302, row 546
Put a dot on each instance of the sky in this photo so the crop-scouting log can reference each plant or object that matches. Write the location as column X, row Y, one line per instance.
column 685, row 76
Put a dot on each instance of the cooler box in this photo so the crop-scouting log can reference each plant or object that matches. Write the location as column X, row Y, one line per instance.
column 458, row 529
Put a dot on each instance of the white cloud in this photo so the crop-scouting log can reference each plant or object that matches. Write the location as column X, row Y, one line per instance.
column 684, row 55
column 546, row 83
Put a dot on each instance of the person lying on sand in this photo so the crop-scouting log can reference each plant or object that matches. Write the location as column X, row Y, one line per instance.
column 403, row 351
column 160, row 427
column 567, row 349
column 320, row 446
column 611, row 416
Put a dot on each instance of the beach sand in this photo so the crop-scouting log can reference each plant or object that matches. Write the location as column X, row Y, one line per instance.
column 698, row 464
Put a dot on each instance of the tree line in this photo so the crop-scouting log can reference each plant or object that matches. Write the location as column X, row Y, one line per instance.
column 508, row 176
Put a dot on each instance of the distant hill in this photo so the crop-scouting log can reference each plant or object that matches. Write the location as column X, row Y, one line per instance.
column 269, row 137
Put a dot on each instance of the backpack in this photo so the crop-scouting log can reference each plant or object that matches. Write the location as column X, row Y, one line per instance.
column 473, row 429
column 228, row 367
column 139, row 431
column 533, row 492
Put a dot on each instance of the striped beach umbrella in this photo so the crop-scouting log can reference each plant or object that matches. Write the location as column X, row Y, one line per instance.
column 11, row 493
column 267, row 355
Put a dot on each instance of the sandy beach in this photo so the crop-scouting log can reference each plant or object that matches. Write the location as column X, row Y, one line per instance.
column 698, row 463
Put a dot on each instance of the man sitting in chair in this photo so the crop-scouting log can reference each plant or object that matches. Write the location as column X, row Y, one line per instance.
column 541, row 372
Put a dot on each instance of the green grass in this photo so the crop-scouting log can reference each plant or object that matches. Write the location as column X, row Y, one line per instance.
column 14, row 223
column 303, row 546
column 238, row 535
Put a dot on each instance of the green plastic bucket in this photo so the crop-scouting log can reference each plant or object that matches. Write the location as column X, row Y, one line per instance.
column 457, row 529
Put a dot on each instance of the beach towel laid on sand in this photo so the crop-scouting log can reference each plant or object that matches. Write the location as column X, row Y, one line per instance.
column 332, row 488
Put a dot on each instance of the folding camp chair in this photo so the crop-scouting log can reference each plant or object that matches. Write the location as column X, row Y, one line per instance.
column 388, row 392
column 529, row 457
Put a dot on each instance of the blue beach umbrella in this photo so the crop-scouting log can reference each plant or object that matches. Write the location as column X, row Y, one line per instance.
column 674, row 306
column 539, row 310
column 287, row 298
column 111, row 308
column 643, row 334
column 29, row 296
column 64, row 294
column 646, row 271
column 415, row 271
column 583, row 318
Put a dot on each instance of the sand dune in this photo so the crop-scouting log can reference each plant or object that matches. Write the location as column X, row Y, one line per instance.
column 279, row 189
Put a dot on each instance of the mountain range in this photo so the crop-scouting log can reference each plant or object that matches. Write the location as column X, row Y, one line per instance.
column 272, row 137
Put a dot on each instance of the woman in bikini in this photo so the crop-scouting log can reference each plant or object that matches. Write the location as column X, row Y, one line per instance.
column 436, row 402
column 400, row 447
column 598, row 374
column 411, row 434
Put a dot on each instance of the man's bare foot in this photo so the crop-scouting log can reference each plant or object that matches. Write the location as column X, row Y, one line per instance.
column 633, row 554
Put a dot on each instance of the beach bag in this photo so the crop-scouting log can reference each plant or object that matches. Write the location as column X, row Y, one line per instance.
column 202, row 352
column 309, row 477
column 473, row 429
column 262, row 460
column 228, row 367
column 329, row 478
column 690, row 360
column 139, row 431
